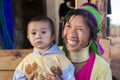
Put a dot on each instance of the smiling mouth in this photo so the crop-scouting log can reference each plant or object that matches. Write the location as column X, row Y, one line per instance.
column 72, row 42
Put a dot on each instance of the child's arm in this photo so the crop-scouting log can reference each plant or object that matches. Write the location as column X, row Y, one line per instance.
column 66, row 67
column 19, row 75
column 68, row 74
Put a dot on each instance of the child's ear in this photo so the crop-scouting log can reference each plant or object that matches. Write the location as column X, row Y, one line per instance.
column 53, row 37
column 28, row 37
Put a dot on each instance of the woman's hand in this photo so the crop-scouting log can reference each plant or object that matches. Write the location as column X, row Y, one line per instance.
column 30, row 77
column 56, row 71
column 56, row 74
column 51, row 77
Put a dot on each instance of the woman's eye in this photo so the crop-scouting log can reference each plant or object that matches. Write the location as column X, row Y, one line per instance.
column 79, row 29
column 33, row 33
column 67, row 26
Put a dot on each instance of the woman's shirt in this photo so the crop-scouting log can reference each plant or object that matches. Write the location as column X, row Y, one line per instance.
column 96, row 68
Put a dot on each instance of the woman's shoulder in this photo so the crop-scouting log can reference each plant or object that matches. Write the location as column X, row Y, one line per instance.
column 101, row 61
column 101, row 69
column 100, row 65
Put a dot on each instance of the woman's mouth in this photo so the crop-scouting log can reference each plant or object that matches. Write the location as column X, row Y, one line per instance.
column 71, row 42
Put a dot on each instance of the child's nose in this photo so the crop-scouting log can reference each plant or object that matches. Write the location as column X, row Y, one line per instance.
column 38, row 35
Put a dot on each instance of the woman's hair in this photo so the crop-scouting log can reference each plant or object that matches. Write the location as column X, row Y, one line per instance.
column 87, row 18
column 45, row 19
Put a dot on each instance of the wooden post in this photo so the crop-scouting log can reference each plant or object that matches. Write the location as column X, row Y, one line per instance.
column 102, row 7
column 78, row 3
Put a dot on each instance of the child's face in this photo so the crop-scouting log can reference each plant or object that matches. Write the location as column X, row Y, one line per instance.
column 39, row 35
column 76, row 33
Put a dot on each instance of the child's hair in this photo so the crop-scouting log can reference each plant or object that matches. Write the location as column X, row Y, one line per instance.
column 45, row 19
column 66, row 1
column 88, row 16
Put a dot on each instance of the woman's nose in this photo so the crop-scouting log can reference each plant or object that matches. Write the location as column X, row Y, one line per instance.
column 73, row 33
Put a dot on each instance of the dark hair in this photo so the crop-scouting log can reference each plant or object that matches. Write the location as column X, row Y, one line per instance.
column 66, row 1
column 87, row 18
column 46, row 19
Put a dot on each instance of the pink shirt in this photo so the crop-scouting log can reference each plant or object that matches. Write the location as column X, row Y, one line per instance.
column 85, row 72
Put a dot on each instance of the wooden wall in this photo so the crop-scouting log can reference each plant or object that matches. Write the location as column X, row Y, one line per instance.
column 9, row 60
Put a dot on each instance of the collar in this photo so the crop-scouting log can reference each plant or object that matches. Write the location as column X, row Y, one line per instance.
column 52, row 50
column 81, row 56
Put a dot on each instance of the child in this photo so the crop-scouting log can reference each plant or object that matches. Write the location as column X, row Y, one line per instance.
column 41, row 34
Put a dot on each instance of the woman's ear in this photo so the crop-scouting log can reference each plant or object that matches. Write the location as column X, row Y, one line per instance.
column 90, row 41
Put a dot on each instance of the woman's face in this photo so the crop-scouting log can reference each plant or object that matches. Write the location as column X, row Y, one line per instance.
column 76, row 33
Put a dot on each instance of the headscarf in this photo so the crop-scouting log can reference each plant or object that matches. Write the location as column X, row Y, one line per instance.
column 94, row 13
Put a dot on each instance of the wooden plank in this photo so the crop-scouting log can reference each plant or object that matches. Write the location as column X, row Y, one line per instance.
column 9, row 59
column 6, row 75
column 78, row 3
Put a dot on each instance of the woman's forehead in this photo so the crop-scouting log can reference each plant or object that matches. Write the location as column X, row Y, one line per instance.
column 76, row 18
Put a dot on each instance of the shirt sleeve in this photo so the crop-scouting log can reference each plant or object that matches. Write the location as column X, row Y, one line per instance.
column 19, row 75
column 68, row 73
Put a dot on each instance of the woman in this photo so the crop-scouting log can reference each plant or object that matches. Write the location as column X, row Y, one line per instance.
column 80, row 35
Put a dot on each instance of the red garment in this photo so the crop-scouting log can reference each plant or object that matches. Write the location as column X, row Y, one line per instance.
column 85, row 72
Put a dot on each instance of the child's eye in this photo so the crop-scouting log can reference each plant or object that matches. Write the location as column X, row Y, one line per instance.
column 43, row 32
column 33, row 33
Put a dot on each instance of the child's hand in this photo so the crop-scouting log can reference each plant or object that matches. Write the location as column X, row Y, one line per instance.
column 56, row 74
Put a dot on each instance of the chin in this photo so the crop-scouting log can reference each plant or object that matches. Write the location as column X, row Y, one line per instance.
column 39, row 47
column 71, row 48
